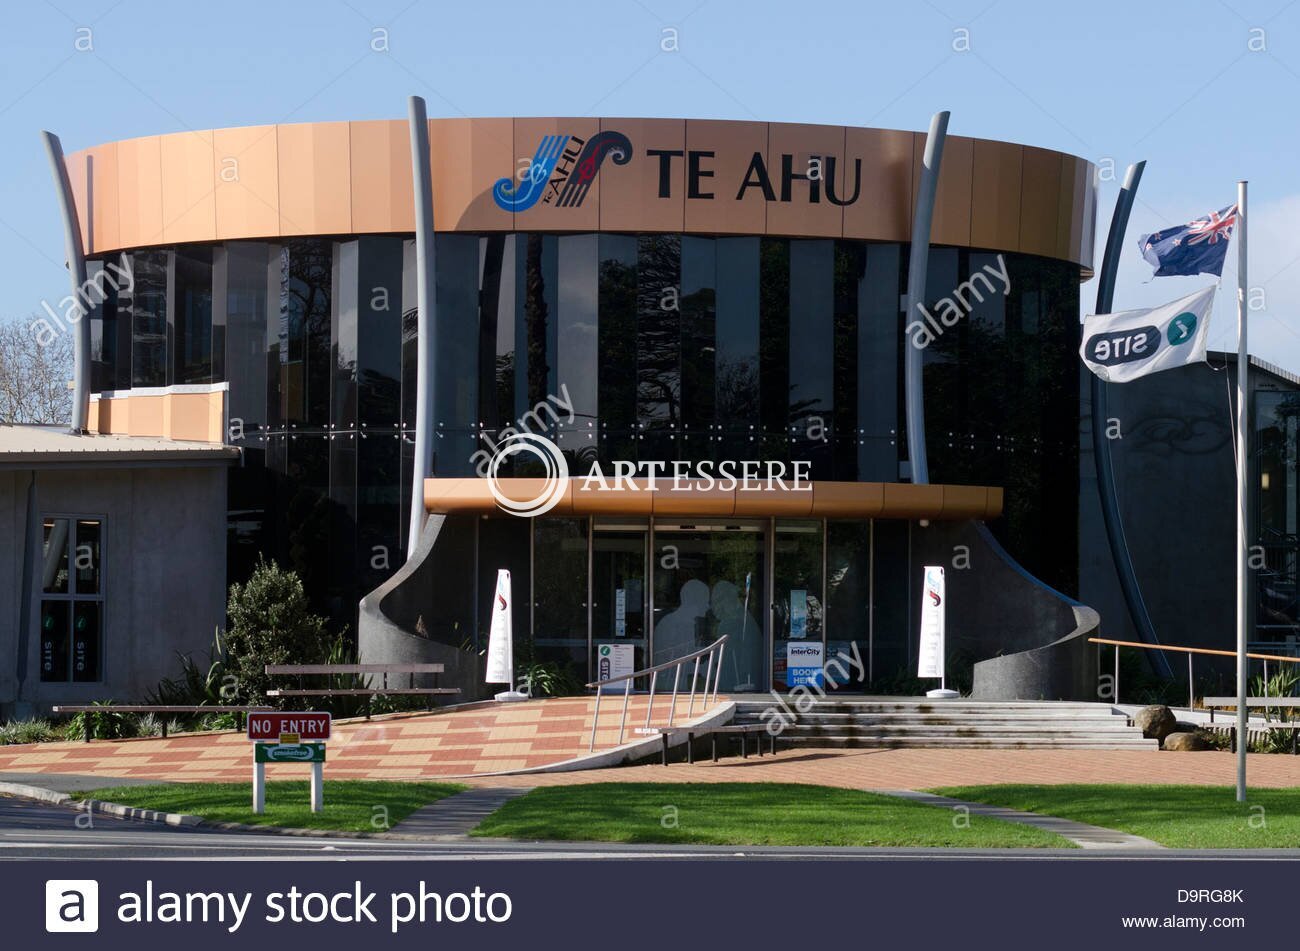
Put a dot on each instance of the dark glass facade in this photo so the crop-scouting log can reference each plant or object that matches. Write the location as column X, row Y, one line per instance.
column 667, row 347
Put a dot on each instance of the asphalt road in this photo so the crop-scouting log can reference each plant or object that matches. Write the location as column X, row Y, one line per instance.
column 33, row 830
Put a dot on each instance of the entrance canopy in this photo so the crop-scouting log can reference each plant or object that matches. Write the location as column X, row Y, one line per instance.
column 691, row 498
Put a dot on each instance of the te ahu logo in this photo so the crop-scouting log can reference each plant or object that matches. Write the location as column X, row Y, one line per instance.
column 561, row 171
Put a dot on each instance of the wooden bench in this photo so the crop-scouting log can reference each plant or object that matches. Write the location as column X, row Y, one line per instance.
column 1258, row 703
column 741, row 730
column 153, row 708
column 344, row 670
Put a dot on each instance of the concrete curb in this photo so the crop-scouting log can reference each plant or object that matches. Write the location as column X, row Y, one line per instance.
column 182, row 820
column 23, row 791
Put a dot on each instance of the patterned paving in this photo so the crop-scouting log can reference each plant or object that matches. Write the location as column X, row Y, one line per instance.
column 480, row 740
column 491, row 739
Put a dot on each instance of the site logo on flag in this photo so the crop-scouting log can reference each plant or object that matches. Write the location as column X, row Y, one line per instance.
column 1198, row 247
column 1124, row 346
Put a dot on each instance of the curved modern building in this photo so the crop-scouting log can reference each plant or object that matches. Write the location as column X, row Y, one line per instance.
column 642, row 291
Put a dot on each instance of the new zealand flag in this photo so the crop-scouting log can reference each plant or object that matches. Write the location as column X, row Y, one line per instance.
column 1197, row 247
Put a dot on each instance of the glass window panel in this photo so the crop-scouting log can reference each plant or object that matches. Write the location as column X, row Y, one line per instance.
column 148, row 308
column 105, row 343
column 86, row 621
column 496, row 341
column 617, row 373
column 455, row 376
column 658, row 332
column 240, row 289
column 878, row 363
column 774, row 335
column 410, row 335
column 848, row 602
column 577, row 352
column 379, row 506
column 560, row 592
column 797, row 603
column 54, row 556
column 189, row 317
column 242, row 283
column 699, row 347
column 812, row 352
column 535, row 323
column 892, row 644
column 54, row 641
column 812, row 340
column 379, row 333
column 850, row 262
column 306, row 285
column 344, row 343
column 86, row 557
column 737, row 336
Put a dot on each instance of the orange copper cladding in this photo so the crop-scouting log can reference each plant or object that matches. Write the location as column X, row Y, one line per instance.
column 471, row 496
column 355, row 178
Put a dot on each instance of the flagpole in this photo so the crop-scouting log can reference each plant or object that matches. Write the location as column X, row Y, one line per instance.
column 1243, row 576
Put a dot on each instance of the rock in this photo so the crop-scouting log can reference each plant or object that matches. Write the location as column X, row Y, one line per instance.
column 1155, row 722
column 1182, row 726
column 1184, row 742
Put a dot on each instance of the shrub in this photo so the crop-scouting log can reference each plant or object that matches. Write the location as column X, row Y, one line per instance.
column 197, row 685
column 104, row 724
column 27, row 731
column 270, row 622
column 548, row 679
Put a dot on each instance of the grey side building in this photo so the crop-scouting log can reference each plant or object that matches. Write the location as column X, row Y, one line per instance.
column 115, row 562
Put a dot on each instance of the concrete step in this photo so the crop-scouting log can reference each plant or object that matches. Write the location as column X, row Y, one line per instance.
column 882, row 722
column 939, row 709
column 946, row 729
column 817, row 716
column 962, row 742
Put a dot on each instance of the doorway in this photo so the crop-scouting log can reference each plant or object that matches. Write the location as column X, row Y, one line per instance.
column 620, row 631
column 709, row 581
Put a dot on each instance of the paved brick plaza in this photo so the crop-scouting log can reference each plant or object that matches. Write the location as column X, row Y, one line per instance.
column 464, row 742
column 475, row 742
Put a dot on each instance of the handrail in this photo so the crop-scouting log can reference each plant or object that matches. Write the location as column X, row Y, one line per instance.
column 653, row 672
column 1190, row 652
column 658, row 667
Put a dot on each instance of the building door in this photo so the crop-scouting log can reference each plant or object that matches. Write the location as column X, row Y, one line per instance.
column 798, row 599
column 620, row 632
column 709, row 581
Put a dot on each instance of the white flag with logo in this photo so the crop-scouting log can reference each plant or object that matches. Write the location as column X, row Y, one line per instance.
column 1132, row 343
column 500, row 657
column 930, row 655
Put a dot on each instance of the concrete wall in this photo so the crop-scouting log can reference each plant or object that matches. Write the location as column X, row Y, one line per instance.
column 391, row 615
column 1026, row 641
column 1174, row 474
column 164, row 565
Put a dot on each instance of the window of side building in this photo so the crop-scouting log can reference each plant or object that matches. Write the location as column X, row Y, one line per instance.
column 71, row 600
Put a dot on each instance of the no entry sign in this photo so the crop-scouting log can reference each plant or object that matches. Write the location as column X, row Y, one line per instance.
column 270, row 726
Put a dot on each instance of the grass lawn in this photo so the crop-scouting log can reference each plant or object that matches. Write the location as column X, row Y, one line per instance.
column 746, row 814
column 1185, row 817
column 350, row 805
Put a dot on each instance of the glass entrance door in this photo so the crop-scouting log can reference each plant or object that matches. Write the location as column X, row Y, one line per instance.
column 798, row 648
column 619, row 599
column 708, row 581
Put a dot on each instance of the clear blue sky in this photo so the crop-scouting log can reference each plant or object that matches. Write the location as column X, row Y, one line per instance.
column 1176, row 84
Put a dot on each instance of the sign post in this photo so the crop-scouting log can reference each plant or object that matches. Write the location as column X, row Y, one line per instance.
column 930, row 657
column 501, row 643
column 288, row 738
